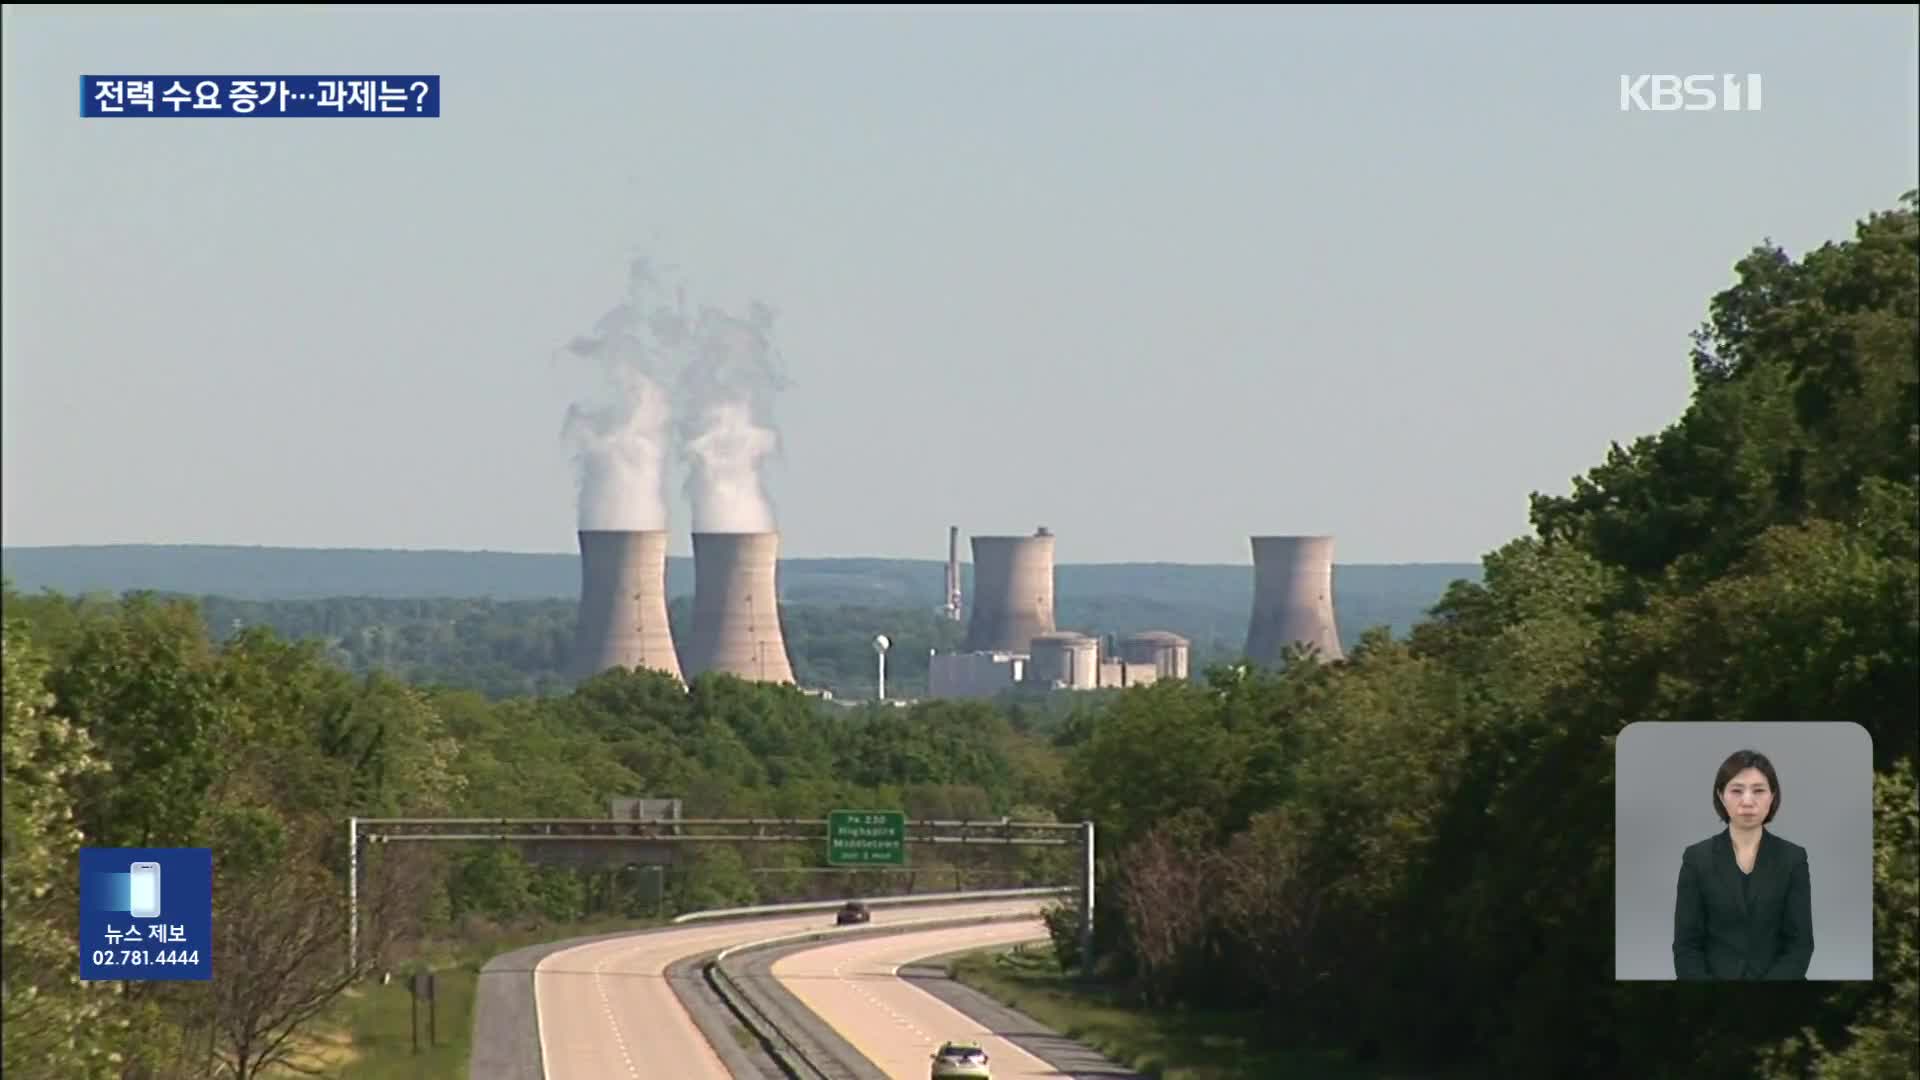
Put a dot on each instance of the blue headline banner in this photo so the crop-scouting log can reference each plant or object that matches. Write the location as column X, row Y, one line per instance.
column 109, row 96
column 146, row 914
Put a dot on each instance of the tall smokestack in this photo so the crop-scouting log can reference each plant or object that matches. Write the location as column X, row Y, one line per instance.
column 953, row 573
column 736, row 610
column 1292, row 597
column 623, row 603
column 1012, row 592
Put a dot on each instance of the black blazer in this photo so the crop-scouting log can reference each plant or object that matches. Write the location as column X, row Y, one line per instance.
column 1724, row 931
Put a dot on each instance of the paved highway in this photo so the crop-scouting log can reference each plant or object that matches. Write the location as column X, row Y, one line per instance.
column 854, row 988
column 607, row 1012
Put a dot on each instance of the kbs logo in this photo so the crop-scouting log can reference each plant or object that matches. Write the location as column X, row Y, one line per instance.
column 1691, row 93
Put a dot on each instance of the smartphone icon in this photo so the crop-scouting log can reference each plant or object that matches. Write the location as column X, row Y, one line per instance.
column 144, row 896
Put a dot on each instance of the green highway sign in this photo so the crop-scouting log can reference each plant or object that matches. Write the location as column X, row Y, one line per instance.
column 866, row 838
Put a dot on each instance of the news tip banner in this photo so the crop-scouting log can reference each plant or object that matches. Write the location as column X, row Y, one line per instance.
column 146, row 914
column 110, row 96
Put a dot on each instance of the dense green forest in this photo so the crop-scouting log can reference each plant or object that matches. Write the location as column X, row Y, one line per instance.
column 1406, row 854
column 127, row 725
column 496, row 639
column 523, row 648
column 1410, row 852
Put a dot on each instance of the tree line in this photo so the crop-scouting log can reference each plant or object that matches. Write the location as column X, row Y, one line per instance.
column 1409, row 852
column 129, row 725
column 524, row 647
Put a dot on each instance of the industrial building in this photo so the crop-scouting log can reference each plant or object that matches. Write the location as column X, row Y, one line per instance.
column 1166, row 653
column 736, row 608
column 1067, row 660
column 1292, row 598
column 974, row 674
column 1011, row 637
column 1059, row 661
column 736, row 612
column 623, row 604
column 1012, row 592
column 1012, row 640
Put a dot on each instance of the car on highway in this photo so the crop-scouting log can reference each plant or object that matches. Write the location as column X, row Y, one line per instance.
column 960, row 1061
column 853, row 913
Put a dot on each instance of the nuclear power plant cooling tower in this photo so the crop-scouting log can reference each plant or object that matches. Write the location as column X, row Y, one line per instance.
column 1292, row 597
column 1012, row 592
column 623, row 604
column 736, row 610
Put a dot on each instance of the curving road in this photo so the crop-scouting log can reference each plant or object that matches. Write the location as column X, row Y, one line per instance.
column 854, row 987
column 607, row 1012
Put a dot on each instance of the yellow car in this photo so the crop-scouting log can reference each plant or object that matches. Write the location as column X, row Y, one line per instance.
column 961, row 1061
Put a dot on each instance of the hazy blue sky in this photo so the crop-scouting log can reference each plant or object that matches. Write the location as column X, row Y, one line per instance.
column 1156, row 280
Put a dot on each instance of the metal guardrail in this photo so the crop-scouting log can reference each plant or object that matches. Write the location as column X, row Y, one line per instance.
column 874, row 901
column 1006, row 832
column 792, row 1060
column 944, row 823
column 788, row 1053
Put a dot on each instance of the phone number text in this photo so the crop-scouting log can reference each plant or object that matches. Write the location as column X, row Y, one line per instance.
column 144, row 957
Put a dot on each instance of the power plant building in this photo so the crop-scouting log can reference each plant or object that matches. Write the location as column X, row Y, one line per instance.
column 952, row 608
column 1120, row 674
column 623, row 604
column 974, row 674
column 1067, row 660
column 736, row 610
column 1292, row 598
column 1012, row 592
column 1166, row 653
column 1011, row 638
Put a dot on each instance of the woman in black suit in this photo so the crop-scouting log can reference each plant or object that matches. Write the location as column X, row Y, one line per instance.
column 1744, row 908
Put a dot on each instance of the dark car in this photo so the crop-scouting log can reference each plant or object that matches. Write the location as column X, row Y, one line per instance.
column 853, row 912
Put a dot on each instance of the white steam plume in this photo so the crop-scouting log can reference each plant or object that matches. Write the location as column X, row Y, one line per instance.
column 725, row 405
column 620, row 445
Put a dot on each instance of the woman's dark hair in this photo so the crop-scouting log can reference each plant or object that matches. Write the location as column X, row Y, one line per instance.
column 1741, row 761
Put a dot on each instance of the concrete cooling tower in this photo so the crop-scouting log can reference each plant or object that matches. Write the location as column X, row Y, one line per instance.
column 623, row 604
column 736, row 610
column 1292, row 597
column 1012, row 592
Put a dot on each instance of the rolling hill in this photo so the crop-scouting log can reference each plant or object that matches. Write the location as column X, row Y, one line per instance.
column 502, row 620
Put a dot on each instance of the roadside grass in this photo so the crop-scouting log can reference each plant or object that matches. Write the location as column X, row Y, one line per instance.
column 369, row 1033
column 1184, row 1045
column 329, row 1050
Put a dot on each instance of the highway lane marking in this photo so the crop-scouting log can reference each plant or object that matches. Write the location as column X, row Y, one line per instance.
column 606, row 1006
column 714, row 935
column 640, row 943
column 939, row 1006
column 878, row 1004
